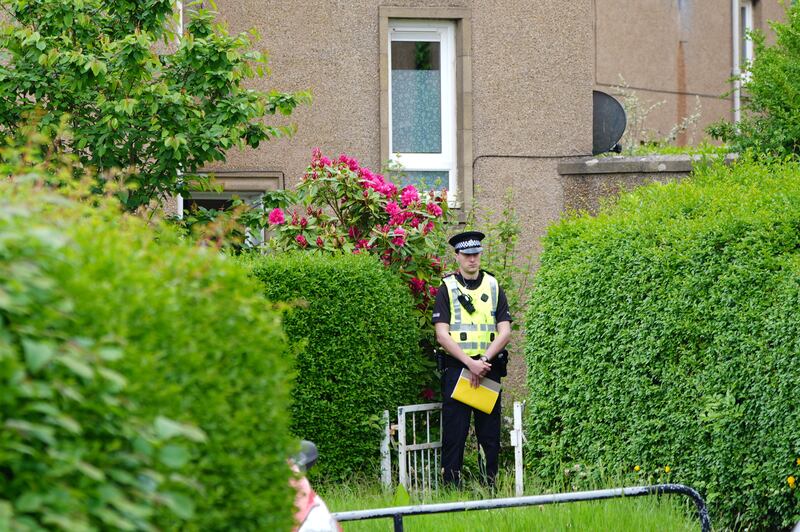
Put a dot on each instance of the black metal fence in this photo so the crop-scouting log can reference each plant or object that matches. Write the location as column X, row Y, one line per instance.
column 398, row 512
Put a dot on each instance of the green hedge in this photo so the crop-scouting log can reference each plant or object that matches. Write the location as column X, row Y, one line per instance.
column 358, row 344
column 74, row 453
column 198, row 344
column 664, row 333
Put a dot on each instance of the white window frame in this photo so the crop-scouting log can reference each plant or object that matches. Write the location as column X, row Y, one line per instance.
column 442, row 31
column 250, row 197
column 746, row 16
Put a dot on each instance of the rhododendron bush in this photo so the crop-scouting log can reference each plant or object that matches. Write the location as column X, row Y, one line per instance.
column 343, row 207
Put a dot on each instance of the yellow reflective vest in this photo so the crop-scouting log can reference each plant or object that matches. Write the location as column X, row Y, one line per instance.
column 473, row 332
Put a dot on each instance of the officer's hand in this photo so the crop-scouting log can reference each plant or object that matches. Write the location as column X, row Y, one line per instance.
column 478, row 368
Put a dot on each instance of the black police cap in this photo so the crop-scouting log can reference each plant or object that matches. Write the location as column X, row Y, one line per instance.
column 468, row 242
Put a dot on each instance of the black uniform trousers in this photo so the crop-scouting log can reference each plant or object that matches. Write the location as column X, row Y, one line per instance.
column 455, row 427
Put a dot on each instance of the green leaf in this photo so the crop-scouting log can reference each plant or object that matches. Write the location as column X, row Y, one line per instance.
column 40, row 432
column 29, row 502
column 401, row 497
column 113, row 377
column 78, row 367
column 65, row 422
column 174, row 456
column 6, row 514
column 167, row 429
column 112, row 354
column 37, row 354
column 179, row 503
column 90, row 471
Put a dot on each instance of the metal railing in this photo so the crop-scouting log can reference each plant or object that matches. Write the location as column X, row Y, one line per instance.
column 398, row 512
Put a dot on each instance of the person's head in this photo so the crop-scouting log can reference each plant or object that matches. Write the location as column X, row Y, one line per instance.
column 468, row 248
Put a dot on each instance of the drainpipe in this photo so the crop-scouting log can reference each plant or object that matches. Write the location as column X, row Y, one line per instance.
column 179, row 197
column 736, row 70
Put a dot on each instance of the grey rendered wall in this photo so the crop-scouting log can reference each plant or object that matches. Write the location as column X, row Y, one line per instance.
column 675, row 51
column 531, row 78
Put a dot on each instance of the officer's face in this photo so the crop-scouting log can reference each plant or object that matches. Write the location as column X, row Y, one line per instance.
column 469, row 264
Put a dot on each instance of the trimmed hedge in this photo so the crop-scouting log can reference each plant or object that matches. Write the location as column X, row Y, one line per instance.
column 74, row 453
column 664, row 334
column 358, row 352
column 198, row 344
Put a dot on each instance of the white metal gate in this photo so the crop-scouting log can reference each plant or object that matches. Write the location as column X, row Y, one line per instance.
column 419, row 447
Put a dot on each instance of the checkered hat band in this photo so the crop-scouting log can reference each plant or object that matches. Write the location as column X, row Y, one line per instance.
column 468, row 244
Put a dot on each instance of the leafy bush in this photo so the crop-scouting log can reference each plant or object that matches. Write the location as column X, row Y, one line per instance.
column 771, row 120
column 360, row 351
column 348, row 208
column 159, row 118
column 198, row 344
column 75, row 454
column 204, row 348
column 662, row 341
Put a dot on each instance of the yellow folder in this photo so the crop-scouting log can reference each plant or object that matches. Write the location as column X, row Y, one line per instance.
column 483, row 397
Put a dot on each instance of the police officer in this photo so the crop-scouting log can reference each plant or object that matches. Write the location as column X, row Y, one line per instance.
column 473, row 325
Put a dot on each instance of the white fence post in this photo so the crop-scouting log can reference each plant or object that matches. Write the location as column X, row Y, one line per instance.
column 386, row 455
column 517, row 437
column 402, row 468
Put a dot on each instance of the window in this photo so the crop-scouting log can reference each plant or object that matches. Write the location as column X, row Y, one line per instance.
column 745, row 25
column 423, row 101
column 247, row 185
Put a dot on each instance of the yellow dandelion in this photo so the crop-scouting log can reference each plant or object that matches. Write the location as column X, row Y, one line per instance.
column 797, row 461
column 790, row 480
column 667, row 469
column 637, row 468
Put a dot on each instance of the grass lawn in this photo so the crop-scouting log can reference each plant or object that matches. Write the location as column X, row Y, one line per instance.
column 671, row 512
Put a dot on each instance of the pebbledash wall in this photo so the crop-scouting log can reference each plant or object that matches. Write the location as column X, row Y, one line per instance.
column 522, row 105
column 587, row 182
column 523, row 91
column 676, row 54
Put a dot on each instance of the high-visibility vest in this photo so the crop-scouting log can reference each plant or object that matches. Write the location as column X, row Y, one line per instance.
column 473, row 332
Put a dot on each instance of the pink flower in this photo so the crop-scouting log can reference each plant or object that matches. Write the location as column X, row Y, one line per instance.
column 427, row 394
column 324, row 161
column 362, row 244
column 301, row 240
column 409, row 195
column 417, row 285
column 399, row 241
column 303, row 222
column 428, row 228
column 353, row 232
column 434, row 209
column 399, row 231
column 414, row 222
column 320, row 243
column 276, row 217
column 392, row 209
column 433, row 291
column 389, row 190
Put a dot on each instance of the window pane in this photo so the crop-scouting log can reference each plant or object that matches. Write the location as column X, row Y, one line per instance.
column 426, row 180
column 416, row 97
column 743, row 56
column 219, row 204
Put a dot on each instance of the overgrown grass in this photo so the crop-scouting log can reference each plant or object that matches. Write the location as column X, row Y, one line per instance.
column 640, row 513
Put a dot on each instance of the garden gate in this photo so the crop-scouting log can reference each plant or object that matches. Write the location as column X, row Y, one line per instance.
column 419, row 444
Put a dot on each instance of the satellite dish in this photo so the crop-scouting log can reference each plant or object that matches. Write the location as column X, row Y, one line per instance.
column 609, row 123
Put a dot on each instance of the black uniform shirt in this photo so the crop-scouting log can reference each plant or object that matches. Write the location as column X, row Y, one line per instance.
column 441, row 307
